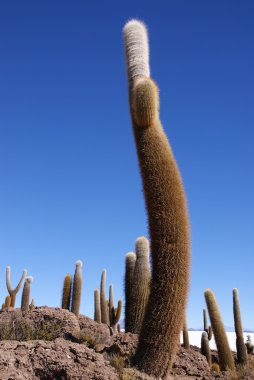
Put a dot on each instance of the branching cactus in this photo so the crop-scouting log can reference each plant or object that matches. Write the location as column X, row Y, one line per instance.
column 13, row 292
column 141, row 285
column 205, row 348
column 77, row 288
column 240, row 345
column 114, row 313
column 167, row 214
column 25, row 300
column 130, row 260
column 224, row 353
column 97, row 306
column 66, row 294
column 186, row 343
column 104, row 304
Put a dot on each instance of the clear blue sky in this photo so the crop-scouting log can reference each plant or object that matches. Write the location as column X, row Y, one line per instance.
column 69, row 181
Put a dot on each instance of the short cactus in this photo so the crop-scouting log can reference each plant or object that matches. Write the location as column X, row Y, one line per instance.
column 77, row 288
column 13, row 292
column 130, row 260
column 207, row 328
column 66, row 294
column 26, row 294
column 141, row 285
column 97, row 306
column 226, row 360
column 205, row 349
column 240, row 346
column 215, row 367
column 167, row 214
column 32, row 304
column 114, row 313
column 104, row 304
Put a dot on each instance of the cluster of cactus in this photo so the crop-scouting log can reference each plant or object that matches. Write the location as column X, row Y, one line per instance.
column 137, row 285
column 167, row 214
column 11, row 299
column 104, row 310
column 72, row 290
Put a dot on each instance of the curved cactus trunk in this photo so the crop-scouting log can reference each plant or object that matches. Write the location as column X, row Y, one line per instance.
column 224, row 353
column 167, row 215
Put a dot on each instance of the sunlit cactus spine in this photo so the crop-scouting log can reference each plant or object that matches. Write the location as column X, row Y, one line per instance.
column 97, row 306
column 25, row 300
column 66, row 293
column 13, row 292
column 104, row 304
column 242, row 357
column 205, row 348
column 141, row 285
column 77, row 288
column 167, row 214
column 186, row 342
column 130, row 260
column 226, row 360
column 114, row 313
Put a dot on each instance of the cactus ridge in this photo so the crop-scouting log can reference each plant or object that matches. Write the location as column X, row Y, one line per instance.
column 224, row 353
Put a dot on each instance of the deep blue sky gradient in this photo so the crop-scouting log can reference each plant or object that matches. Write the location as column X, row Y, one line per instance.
column 69, row 181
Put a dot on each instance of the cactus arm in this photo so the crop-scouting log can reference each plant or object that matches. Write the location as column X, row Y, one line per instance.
column 21, row 281
column 8, row 279
column 13, row 292
column 167, row 217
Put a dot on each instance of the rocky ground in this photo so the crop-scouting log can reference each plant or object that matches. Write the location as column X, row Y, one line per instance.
column 51, row 343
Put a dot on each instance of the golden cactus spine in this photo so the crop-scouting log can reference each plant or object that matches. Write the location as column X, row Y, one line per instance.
column 13, row 292
column 205, row 348
column 25, row 299
column 97, row 306
column 167, row 214
column 77, row 288
column 242, row 356
column 130, row 260
column 226, row 360
column 104, row 304
column 66, row 293
column 141, row 284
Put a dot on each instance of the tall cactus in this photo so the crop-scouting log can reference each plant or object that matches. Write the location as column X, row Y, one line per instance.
column 104, row 305
column 205, row 348
column 141, row 285
column 114, row 313
column 25, row 300
column 240, row 345
column 66, row 293
column 167, row 214
column 77, row 288
column 97, row 306
column 186, row 342
column 224, row 353
column 130, row 260
column 13, row 292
